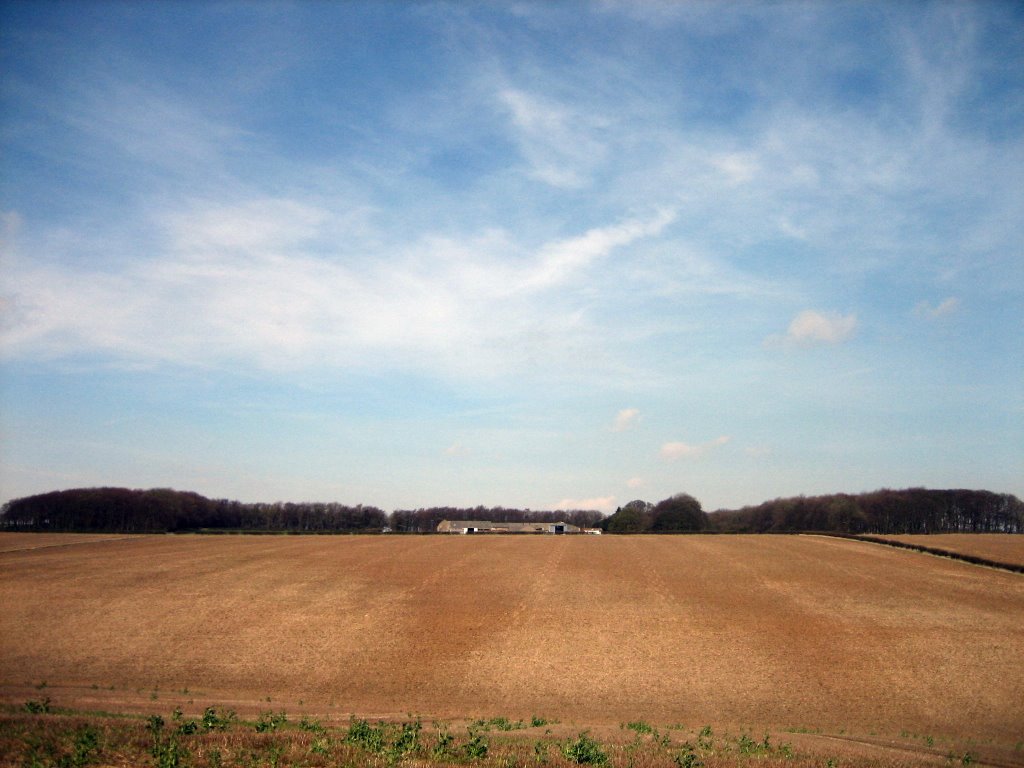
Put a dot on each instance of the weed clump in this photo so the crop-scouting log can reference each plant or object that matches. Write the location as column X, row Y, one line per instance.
column 640, row 727
column 443, row 746
column 38, row 706
column 320, row 746
column 706, row 738
column 167, row 750
column 365, row 736
column 584, row 751
column 270, row 721
column 85, row 745
column 748, row 746
column 687, row 757
column 408, row 740
column 312, row 726
column 503, row 724
column 213, row 720
column 477, row 747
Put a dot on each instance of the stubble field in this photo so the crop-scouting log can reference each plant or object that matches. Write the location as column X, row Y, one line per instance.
column 797, row 633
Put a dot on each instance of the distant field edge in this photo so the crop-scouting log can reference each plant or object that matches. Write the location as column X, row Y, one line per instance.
column 936, row 551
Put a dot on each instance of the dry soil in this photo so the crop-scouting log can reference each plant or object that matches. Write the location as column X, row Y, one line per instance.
column 772, row 632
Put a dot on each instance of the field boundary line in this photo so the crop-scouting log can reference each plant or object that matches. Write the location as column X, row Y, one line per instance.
column 982, row 762
column 124, row 537
column 934, row 551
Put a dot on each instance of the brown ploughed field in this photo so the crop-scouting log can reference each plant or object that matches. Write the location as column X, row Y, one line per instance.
column 803, row 633
column 999, row 547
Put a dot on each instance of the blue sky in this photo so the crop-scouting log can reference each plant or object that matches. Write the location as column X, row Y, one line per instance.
column 531, row 254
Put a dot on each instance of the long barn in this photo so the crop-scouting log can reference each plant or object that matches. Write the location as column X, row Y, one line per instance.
column 486, row 526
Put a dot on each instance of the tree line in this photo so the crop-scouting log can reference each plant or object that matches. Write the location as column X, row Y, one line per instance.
column 162, row 510
column 120, row 510
column 915, row 510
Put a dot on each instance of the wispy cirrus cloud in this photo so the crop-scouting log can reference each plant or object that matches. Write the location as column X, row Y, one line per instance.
column 944, row 308
column 558, row 260
column 559, row 142
column 674, row 450
column 264, row 283
column 737, row 168
column 811, row 328
column 625, row 419
column 456, row 450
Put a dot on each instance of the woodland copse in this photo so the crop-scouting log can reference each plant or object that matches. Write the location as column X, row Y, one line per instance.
column 910, row 511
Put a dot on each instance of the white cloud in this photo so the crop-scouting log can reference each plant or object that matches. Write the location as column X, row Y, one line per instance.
column 635, row 482
column 600, row 503
column 737, row 167
column 560, row 259
column 679, row 450
column 257, row 225
column 286, row 284
column 558, row 142
column 811, row 327
column 625, row 419
column 790, row 229
column 942, row 309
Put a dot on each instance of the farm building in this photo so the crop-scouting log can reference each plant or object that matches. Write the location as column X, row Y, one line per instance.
column 486, row 526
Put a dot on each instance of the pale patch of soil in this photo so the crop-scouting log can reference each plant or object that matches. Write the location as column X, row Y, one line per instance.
column 768, row 632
